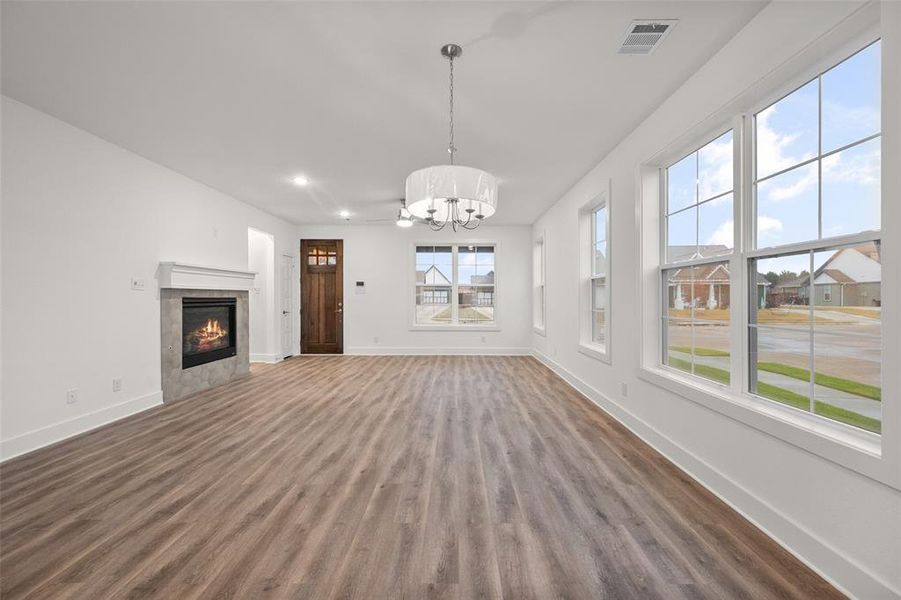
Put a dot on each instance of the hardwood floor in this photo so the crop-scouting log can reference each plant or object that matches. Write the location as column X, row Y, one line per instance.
column 377, row 477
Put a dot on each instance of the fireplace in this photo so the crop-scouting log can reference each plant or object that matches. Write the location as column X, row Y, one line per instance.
column 209, row 331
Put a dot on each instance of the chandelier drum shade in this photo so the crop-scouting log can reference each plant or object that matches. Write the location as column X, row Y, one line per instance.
column 440, row 191
column 454, row 195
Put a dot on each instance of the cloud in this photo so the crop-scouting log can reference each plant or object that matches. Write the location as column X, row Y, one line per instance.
column 767, row 227
column 722, row 235
column 849, row 166
column 715, row 169
column 773, row 147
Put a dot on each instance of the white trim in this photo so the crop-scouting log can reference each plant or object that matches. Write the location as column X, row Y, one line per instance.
column 594, row 351
column 587, row 276
column 455, row 326
column 195, row 277
column 808, row 433
column 57, row 432
column 829, row 562
column 266, row 358
column 435, row 351
column 539, row 272
column 458, row 327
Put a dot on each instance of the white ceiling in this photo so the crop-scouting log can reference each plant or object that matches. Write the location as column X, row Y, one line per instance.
column 244, row 95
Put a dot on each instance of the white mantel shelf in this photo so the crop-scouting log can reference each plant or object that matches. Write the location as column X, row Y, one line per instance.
column 195, row 277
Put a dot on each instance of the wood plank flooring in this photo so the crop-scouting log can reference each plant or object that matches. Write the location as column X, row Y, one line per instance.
column 377, row 477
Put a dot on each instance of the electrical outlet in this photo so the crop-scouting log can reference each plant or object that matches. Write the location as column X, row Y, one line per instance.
column 625, row 390
column 484, row 339
column 71, row 396
column 117, row 384
column 138, row 285
column 375, row 340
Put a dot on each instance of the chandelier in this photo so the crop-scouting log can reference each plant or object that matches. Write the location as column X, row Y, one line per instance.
column 451, row 194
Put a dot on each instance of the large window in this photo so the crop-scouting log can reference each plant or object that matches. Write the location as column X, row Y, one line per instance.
column 696, row 280
column 815, row 334
column 595, row 276
column 455, row 285
column 808, row 259
column 538, row 295
column 599, row 292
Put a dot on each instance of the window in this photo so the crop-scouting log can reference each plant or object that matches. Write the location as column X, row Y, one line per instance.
column 808, row 264
column 455, row 285
column 696, row 280
column 538, row 295
column 817, row 182
column 595, row 274
column 599, row 292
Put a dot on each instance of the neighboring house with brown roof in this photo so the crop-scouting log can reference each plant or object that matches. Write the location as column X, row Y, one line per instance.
column 851, row 277
column 704, row 286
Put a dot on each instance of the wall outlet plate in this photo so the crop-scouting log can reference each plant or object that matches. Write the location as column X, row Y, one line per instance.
column 117, row 384
column 625, row 389
column 71, row 396
column 138, row 285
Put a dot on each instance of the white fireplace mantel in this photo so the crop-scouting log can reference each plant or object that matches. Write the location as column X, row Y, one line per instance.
column 194, row 277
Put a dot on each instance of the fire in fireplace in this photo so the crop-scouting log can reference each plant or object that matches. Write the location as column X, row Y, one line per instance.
column 208, row 330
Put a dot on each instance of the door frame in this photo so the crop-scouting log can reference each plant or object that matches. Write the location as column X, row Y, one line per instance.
column 339, row 291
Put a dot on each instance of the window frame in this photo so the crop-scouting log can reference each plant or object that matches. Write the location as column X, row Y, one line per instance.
column 587, row 246
column 868, row 454
column 455, row 324
column 539, row 285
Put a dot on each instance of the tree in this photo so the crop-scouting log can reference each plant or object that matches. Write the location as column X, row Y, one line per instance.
column 772, row 277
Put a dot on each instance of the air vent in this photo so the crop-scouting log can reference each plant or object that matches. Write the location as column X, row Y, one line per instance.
column 643, row 37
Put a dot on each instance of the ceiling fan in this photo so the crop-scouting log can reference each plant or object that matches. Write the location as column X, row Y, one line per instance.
column 404, row 217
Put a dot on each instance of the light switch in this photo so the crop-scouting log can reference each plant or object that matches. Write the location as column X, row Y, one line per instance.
column 138, row 285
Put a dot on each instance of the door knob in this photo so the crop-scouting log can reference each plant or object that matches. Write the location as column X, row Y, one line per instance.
column 339, row 310
column 284, row 312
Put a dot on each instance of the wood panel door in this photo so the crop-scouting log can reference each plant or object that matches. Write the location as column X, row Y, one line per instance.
column 322, row 297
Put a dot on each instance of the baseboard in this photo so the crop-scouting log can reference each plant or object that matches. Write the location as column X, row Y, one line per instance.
column 842, row 572
column 265, row 358
column 33, row 440
column 436, row 351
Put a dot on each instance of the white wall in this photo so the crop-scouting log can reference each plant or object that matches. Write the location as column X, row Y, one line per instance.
column 81, row 217
column 845, row 525
column 264, row 346
column 380, row 255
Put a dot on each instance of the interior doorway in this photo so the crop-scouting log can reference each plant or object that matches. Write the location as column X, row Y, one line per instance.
column 322, row 296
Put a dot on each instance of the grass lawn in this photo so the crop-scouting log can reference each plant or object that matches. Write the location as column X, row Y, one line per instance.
column 699, row 351
column 785, row 396
column 705, row 371
column 836, row 383
column 764, row 315
column 823, row 409
column 864, row 390
column 467, row 313
column 860, row 311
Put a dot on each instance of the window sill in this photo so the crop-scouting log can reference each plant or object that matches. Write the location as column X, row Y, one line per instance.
column 454, row 328
column 540, row 331
column 594, row 351
column 854, row 449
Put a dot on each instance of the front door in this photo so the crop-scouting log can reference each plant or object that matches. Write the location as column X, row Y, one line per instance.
column 322, row 297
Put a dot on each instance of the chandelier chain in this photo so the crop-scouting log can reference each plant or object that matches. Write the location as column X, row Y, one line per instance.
column 451, row 148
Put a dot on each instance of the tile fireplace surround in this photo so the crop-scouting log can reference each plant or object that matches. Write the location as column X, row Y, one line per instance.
column 177, row 282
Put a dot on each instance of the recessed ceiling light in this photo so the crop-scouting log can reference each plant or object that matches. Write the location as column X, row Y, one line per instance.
column 344, row 214
column 300, row 180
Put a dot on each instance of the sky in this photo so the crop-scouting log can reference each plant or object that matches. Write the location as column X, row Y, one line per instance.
column 471, row 261
column 787, row 135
